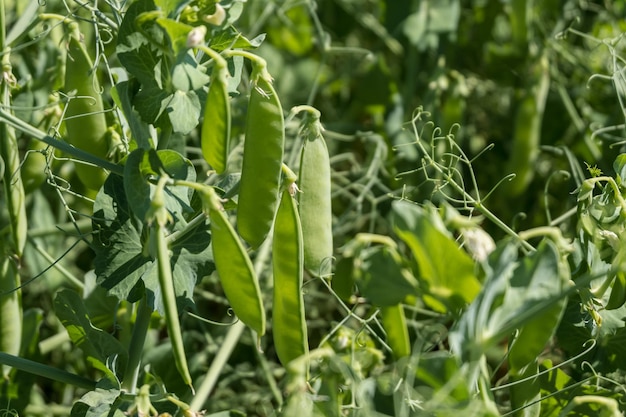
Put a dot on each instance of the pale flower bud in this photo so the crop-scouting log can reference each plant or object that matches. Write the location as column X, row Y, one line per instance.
column 478, row 243
column 611, row 238
column 196, row 36
column 216, row 18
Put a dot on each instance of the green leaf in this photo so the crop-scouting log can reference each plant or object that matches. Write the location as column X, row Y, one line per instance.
column 98, row 403
column 123, row 264
column 620, row 168
column 183, row 109
column 102, row 350
column 177, row 33
column 122, row 95
column 538, row 285
column 446, row 272
column 187, row 75
column 382, row 278
column 527, row 295
column 169, row 6
column 140, row 55
column 149, row 102
column 231, row 38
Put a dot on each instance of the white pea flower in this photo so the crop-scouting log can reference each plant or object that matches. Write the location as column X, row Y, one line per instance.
column 478, row 243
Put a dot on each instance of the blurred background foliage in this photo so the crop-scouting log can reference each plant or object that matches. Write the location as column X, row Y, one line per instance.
column 514, row 75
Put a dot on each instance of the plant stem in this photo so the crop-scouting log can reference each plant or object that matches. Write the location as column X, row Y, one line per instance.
column 60, row 145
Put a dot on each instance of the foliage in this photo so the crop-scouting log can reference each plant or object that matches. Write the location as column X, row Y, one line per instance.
column 440, row 250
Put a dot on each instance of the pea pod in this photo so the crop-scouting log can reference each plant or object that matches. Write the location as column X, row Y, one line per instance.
column 216, row 124
column 10, row 249
column 262, row 160
column 235, row 270
column 315, row 201
column 84, row 114
column 10, row 308
column 12, row 179
column 288, row 319
column 158, row 216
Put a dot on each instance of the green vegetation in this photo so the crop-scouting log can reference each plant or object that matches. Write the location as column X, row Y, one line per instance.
column 453, row 242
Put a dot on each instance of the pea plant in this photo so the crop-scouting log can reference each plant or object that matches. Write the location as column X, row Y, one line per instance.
column 156, row 228
column 212, row 221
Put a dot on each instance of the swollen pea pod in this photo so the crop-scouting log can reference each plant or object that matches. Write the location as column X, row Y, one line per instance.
column 216, row 124
column 84, row 114
column 11, row 250
column 262, row 159
column 158, row 217
column 235, row 270
column 288, row 318
column 12, row 179
column 315, row 199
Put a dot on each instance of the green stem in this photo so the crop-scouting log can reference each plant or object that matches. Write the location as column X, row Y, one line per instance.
column 135, row 350
column 46, row 371
column 76, row 283
column 60, row 145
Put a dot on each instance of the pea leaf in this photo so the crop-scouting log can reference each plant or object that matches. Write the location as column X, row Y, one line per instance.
column 139, row 54
column 526, row 294
column 231, row 38
column 446, row 272
column 123, row 263
column 183, row 109
column 382, row 278
column 153, row 49
column 122, row 95
column 99, row 402
column 102, row 350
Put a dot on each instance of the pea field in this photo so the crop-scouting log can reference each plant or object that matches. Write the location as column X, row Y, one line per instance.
column 312, row 208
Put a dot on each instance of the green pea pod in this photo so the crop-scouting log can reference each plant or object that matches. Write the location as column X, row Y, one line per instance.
column 216, row 124
column 262, row 161
column 84, row 115
column 235, row 269
column 315, row 205
column 289, row 325
column 12, row 248
column 166, row 282
column 10, row 308
column 11, row 176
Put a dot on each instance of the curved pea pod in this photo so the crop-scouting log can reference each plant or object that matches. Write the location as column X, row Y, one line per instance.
column 84, row 114
column 216, row 124
column 235, row 270
column 288, row 318
column 315, row 206
column 262, row 161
